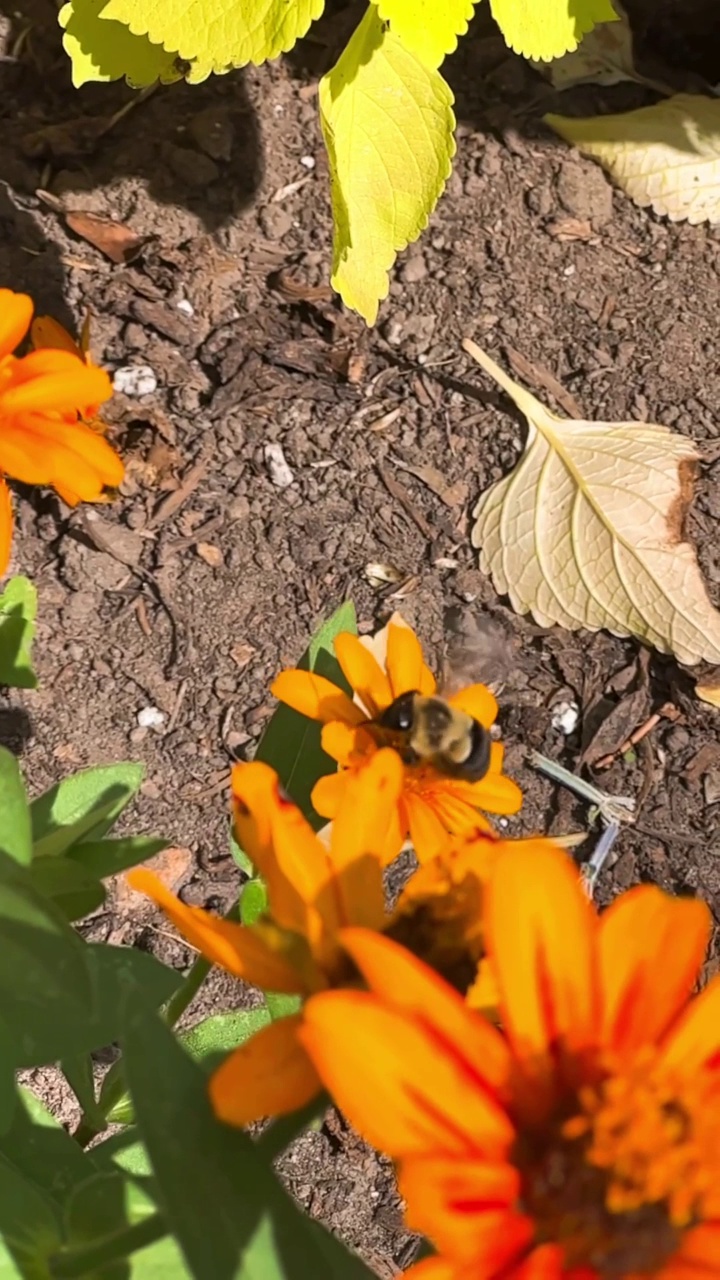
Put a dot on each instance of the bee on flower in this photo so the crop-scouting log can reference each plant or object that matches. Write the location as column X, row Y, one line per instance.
column 452, row 770
column 45, row 397
column 582, row 1142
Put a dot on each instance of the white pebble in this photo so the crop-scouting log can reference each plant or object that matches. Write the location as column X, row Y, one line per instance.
column 186, row 307
column 150, row 718
column 135, row 380
column 277, row 465
column 307, row 162
column 565, row 717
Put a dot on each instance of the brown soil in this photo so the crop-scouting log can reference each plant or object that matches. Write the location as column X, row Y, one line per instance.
column 192, row 605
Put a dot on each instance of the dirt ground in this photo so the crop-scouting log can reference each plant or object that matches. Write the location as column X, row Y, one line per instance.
column 205, row 578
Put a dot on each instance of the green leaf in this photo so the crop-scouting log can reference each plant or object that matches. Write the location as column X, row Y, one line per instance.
column 217, row 35
column 86, row 804
column 18, row 608
column 547, row 29
column 221, row 1200
column 210, row 1041
column 253, row 901
column 15, row 830
column 428, row 30
column 103, row 50
column 66, row 884
column 110, row 1218
column 240, row 855
column 388, row 124
column 291, row 742
column 102, row 858
column 29, row 1227
column 78, row 1071
column 42, row 1152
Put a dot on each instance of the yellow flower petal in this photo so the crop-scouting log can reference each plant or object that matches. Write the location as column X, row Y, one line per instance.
column 405, row 666
column 328, row 792
column 269, row 1075
column 363, row 674
column 348, row 744
column 428, row 833
column 315, row 697
column 477, row 701
column 231, row 946
column 367, row 816
column 16, row 311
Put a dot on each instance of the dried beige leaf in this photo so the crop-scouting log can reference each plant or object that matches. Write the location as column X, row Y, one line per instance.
column 666, row 156
column 587, row 530
column 604, row 56
column 709, row 693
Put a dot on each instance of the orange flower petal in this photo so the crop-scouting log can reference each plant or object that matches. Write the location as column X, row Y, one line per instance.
column 694, row 1041
column 366, row 814
column 78, row 459
column 346, row 743
column 269, row 1075
column 540, row 930
column 457, row 814
column 363, row 673
column 231, row 946
column 546, row 1263
column 6, row 524
column 255, row 791
column 641, row 993
column 405, row 665
column 405, row 1091
column 315, row 697
column 21, row 456
column 428, row 832
column 298, row 872
column 437, row 1269
column 466, row 1208
column 328, row 792
column 262, row 815
column 476, row 701
column 16, row 311
column 413, row 988
column 63, row 392
column 698, row 1257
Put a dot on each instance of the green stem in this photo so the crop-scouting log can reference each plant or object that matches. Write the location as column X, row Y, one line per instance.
column 88, row 1258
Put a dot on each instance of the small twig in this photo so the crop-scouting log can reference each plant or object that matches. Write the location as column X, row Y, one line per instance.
column 667, row 712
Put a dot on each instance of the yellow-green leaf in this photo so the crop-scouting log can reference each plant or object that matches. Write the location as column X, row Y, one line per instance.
column 604, row 56
column 587, row 530
column 388, row 125
column 215, row 35
column 546, row 29
column 427, row 29
column 99, row 49
column 666, row 156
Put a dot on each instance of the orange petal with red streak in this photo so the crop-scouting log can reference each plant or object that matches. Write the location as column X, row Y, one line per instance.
column 697, row 1257
column 540, row 933
column 477, row 701
column 16, row 311
column 414, row 988
column 6, row 527
column 363, row 673
column 466, row 1207
column 406, row 667
column 315, row 697
column 694, row 1041
column 269, row 1075
column 641, row 993
column 234, row 947
column 405, row 1090
column 428, row 832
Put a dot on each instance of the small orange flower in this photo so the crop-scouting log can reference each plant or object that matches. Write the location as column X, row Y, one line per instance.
column 315, row 893
column 43, row 397
column 431, row 804
column 584, row 1142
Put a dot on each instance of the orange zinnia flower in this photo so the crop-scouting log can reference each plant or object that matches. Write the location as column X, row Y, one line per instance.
column 43, row 396
column 584, row 1142
column 431, row 803
column 315, row 892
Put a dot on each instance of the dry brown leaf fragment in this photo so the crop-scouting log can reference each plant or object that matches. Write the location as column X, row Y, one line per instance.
column 118, row 242
column 210, row 553
column 587, row 530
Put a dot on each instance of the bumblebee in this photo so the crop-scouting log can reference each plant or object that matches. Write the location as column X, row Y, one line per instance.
column 429, row 730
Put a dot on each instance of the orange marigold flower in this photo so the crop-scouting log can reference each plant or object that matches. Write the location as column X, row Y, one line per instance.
column 43, row 397
column 584, row 1142
column 431, row 803
column 315, row 893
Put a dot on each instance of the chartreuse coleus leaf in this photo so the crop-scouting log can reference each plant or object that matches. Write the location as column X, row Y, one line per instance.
column 545, row 29
column 666, row 156
column 102, row 49
column 216, row 35
column 388, row 124
column 426, row 28
column 587, row 529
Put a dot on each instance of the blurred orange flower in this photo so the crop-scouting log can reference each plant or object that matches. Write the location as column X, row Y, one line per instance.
column 43, row 397
column 431, row 803
column 582, row 1143
column 316, row 892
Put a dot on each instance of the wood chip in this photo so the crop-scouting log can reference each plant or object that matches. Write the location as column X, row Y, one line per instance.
column 453, row 495
column 401, row 496
column 117, row 241
column 210, row 553
column 169, row 506
column 241, row 654
column 568, row 229
column 538, row 376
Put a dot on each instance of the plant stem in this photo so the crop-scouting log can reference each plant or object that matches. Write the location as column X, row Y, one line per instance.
column 88, row 1258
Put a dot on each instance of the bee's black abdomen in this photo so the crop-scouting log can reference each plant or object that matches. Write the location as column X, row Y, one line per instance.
column 477, row 762
column 400, row 714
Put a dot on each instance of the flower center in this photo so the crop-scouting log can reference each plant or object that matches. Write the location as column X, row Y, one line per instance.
column 622, row 1178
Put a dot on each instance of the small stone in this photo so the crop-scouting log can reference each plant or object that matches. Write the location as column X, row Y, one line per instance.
column 277, row 466
column 275, row 222
column 585, row 192
column 414, row 270
column 135, row 380
column 711, row 786
column 192, row 167
column 565, row 716
column 213, row 132
column 151, row 718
